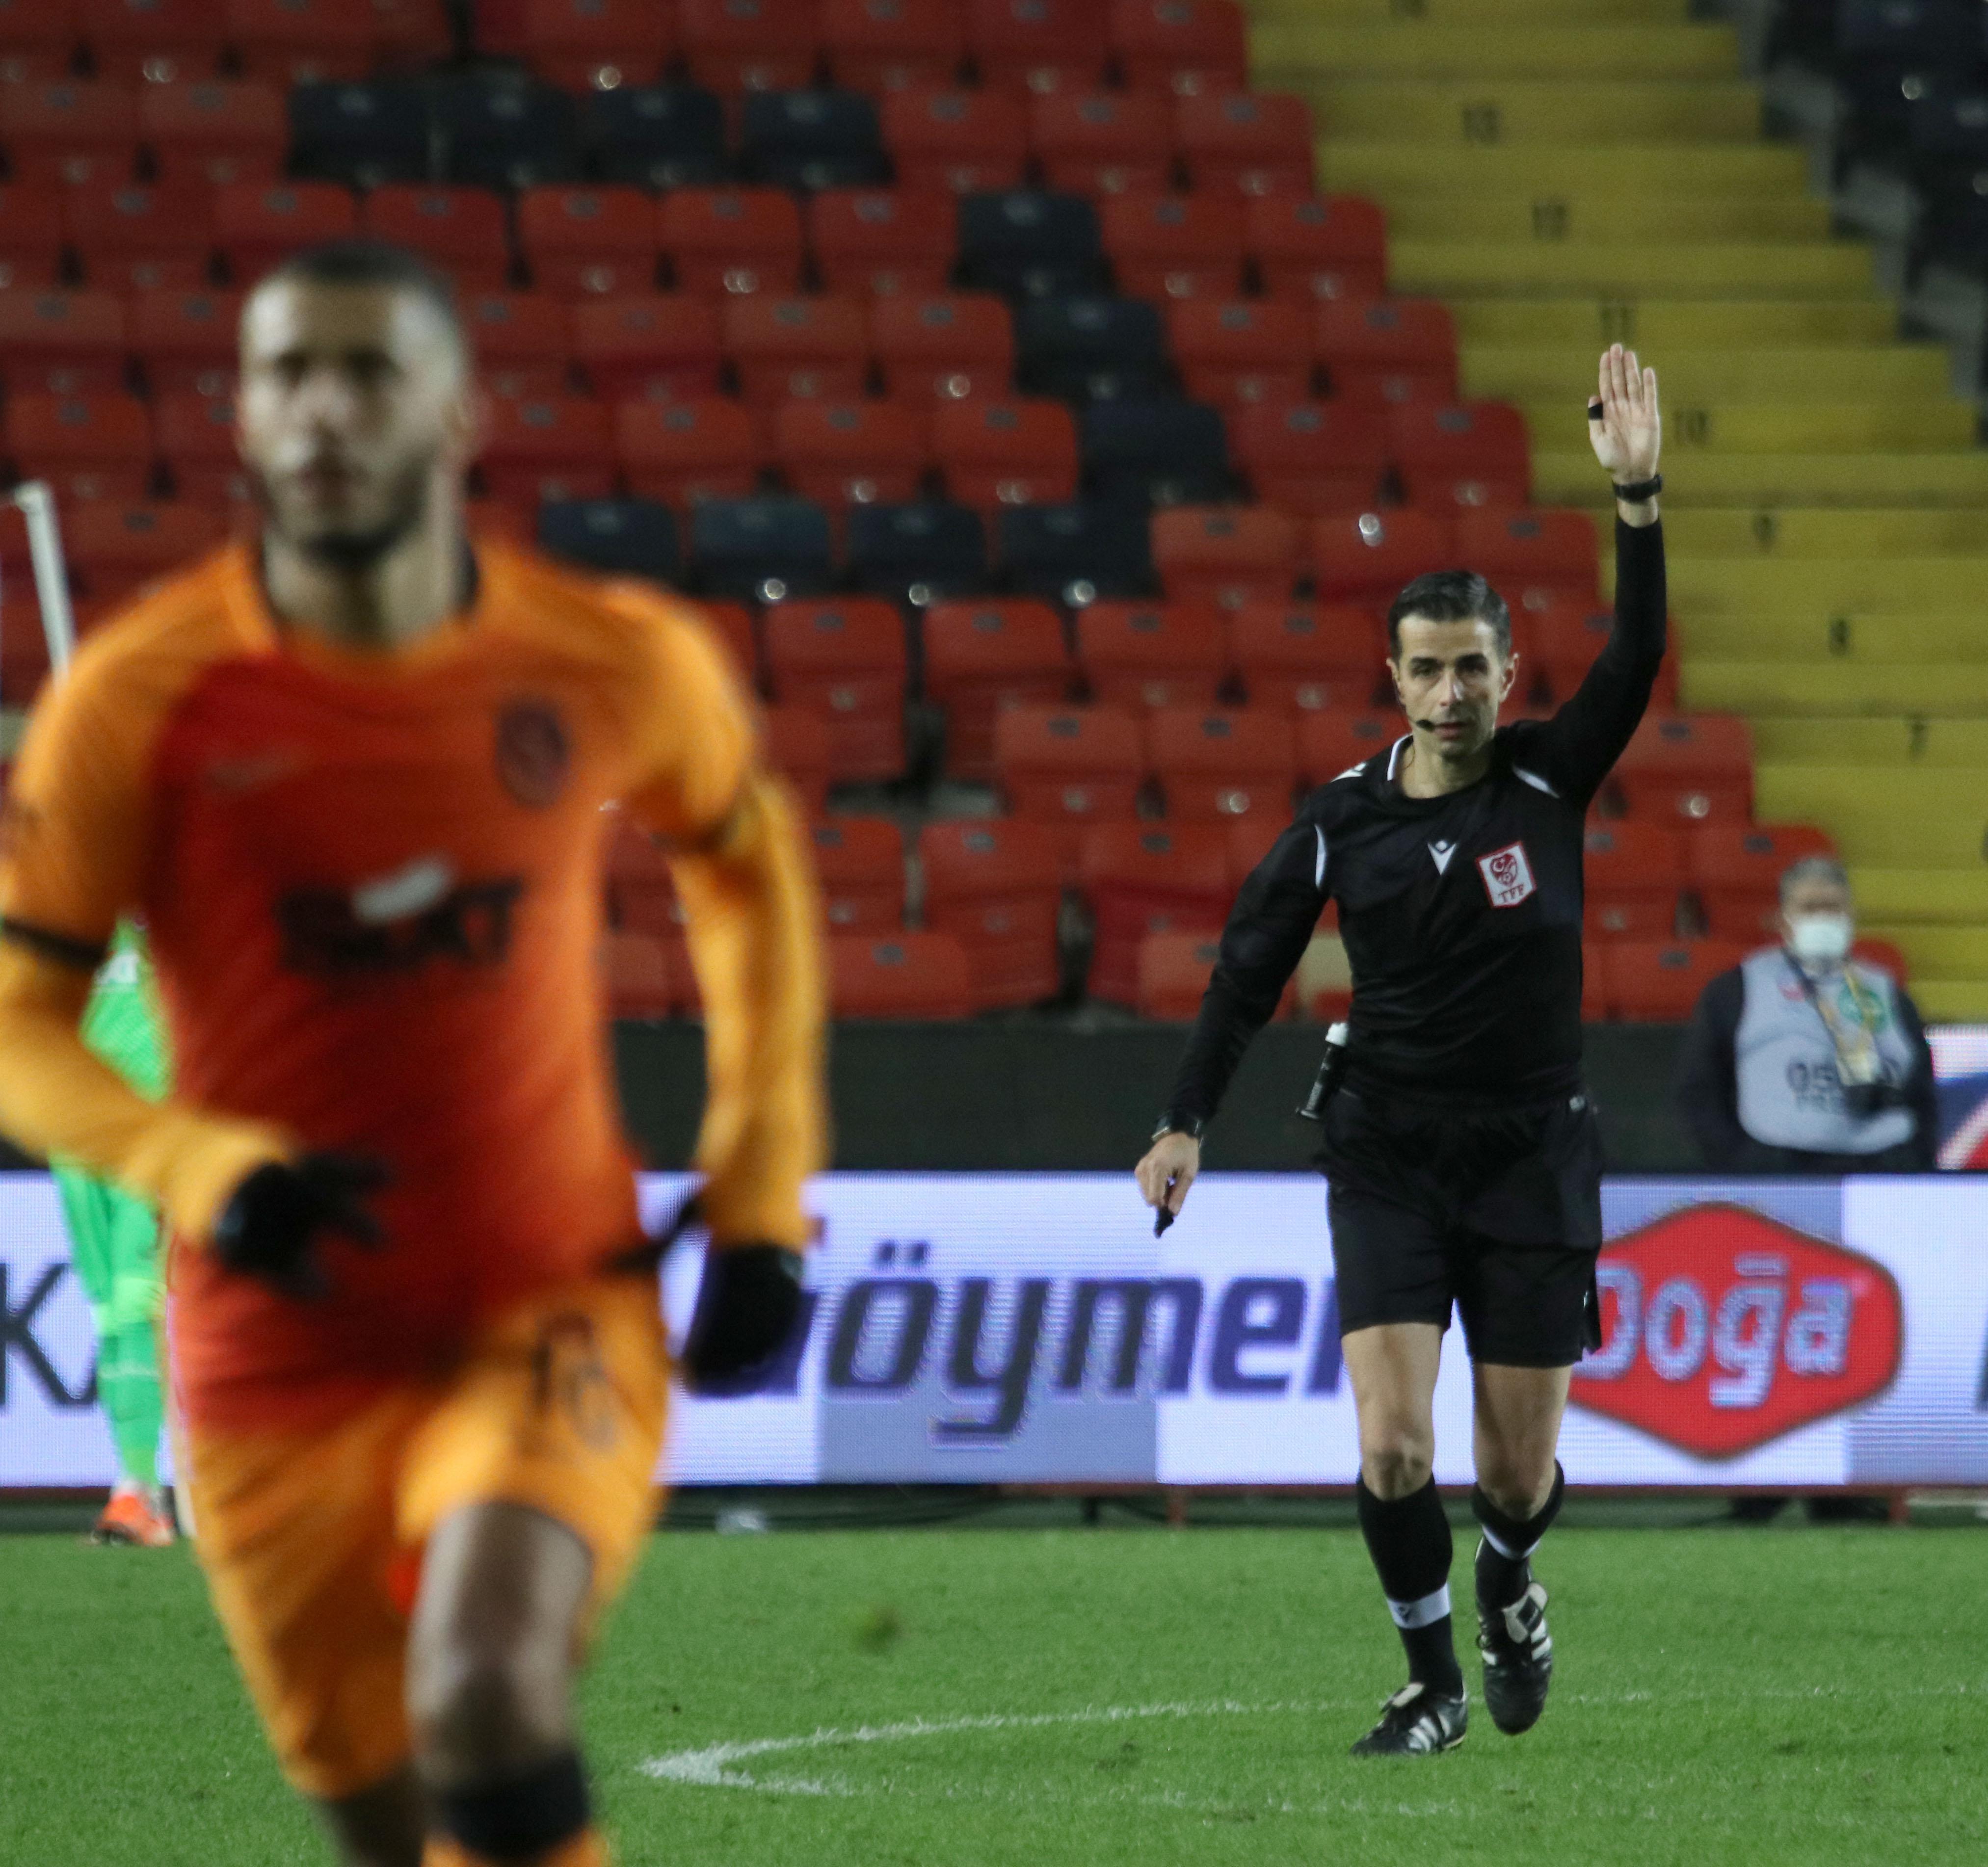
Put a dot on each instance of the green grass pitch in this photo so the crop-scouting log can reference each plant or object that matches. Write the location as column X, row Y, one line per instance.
column 1099, row 1698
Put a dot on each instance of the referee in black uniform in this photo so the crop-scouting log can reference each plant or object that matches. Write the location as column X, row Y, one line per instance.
column 1463, row 1157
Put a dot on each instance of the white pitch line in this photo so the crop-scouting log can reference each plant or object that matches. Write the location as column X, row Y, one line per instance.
column 710, row 1767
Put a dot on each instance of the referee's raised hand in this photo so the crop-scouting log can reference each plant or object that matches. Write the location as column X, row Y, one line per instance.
column 1623, row 420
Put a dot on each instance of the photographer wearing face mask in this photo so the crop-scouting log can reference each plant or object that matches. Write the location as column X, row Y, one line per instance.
column 1803, row 1059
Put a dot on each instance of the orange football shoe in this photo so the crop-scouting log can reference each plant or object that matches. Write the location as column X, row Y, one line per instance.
column 131, row 1517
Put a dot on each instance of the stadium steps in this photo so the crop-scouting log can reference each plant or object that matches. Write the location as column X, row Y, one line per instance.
column 1781, row 482
column 1799, row 373
column 1590, row 215
column 1567, row 173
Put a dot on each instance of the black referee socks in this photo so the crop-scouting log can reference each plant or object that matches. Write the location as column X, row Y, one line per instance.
column 1409, row 1539
column 1503, row 1573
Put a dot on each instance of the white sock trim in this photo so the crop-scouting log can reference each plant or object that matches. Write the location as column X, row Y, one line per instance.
column 1430, row 1608
column 1504, row 1549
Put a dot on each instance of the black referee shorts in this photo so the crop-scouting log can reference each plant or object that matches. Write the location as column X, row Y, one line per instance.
column 1493, row 1210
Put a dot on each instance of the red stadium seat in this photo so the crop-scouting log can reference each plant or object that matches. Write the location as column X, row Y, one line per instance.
column 845, row 657
column 466, row 231
column 682, row 452
column 1143, row 878
column 961, row 141
column 32, row 230
column 646, row 974
column 1242, row 352
column 1563, row 637
column 256, row 227
column 1333, row 741
column 1472, row 454
column 732, row 240
column 303, row 42
column 1038, row 47
column 1185, row 46
column 662, row 348
column 39, row 40
column 1226, row 554
column 1312, row 459
column 96, row 447
column 1173, row 246
column 114, row 547
column 859, row 863
column 953, row 349
column 555, row 447
column 1369, row 557
column 1520, row 552
column 185, row 340
column 1070, row 767
column 1689, row 768
column 588, row 242
column 786, row 349
column 882, row 46
column 1144, row 655
column 215, row 134
column 994, row 454
column 906, row 975
column 523, row 342
column 736, row 46
column 1256, row 144
column 1302, row 658
column 1634, row 872
column 411, row 35
column 1215, row 766
column 1102, row 142
column 1660, row 982
column 593, row 45
column 982, row 657
column 995, row 885
column 882, row 241
column 62, row 343
column 141, row 239
column 1736, row 870
column 800, row 746
column 842, row 453
column 1174, row 972
column 1375, row 353
column 1307, row 251
column 196, row 438
column 60, row 135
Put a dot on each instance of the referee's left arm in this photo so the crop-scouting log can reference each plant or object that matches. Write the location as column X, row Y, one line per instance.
column 1269, row 929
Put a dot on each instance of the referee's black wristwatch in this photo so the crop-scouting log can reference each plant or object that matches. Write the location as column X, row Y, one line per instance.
column 1191, row 1125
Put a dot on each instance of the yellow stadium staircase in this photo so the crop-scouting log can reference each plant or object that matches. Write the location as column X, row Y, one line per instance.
column 1565, row 172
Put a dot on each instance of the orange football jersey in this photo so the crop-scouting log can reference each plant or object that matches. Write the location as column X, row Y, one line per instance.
column 372, row 881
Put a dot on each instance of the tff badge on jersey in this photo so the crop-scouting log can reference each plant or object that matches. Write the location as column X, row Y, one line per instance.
column 1508, row 875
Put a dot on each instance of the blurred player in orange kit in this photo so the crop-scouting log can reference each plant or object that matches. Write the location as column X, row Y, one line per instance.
column 352, row 776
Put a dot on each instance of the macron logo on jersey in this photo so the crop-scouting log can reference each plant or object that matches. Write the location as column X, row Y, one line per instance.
column 1442, row 852
column 1508, row 875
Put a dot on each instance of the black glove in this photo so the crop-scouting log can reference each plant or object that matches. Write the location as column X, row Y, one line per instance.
column 272, row 1220
column 747, row 1307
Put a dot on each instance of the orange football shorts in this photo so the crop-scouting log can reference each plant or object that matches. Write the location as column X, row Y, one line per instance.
column 311, row 1540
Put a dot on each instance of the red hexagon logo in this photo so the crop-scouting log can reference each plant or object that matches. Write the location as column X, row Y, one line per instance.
column 1722, row 1329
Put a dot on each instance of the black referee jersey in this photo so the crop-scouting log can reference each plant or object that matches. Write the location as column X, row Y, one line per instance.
column 1461, row 914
